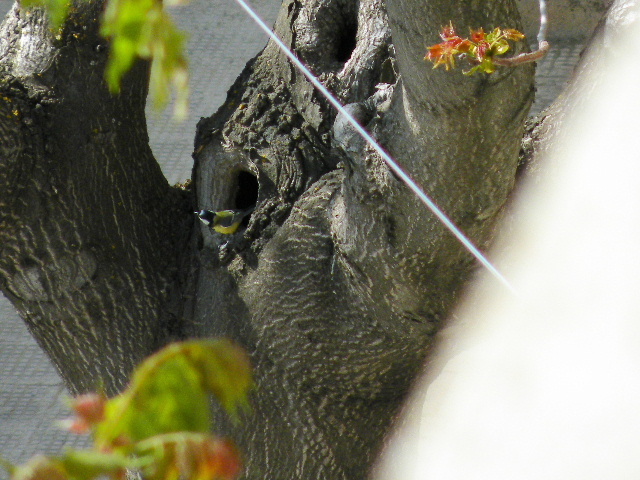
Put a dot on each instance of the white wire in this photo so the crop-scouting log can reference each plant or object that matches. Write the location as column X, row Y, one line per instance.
column 393, row 165
column 542, row 33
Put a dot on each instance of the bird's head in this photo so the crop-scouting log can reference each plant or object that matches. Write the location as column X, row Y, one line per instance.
column 206, row 216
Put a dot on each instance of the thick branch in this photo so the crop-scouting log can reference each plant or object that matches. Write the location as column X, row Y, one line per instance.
column 459, row 137
column 88, row 230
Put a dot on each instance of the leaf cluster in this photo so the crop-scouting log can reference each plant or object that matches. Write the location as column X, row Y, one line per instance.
column 160, row 424
column 480, row 48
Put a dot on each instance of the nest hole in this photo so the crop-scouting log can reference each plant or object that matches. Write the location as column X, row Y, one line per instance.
column 247, row 192
column 346, row 42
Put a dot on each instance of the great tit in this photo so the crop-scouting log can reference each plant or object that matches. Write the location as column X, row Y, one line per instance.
column 224, row 221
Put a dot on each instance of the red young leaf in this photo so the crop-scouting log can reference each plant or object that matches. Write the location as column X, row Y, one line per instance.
column 481, row 48
column 448, row 32
column 477, row 35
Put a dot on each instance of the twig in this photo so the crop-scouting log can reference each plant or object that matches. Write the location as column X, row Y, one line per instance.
column 543, row 48
column 543, row 45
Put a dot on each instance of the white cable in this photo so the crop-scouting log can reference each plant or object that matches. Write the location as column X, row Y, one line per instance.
column 385, row 156
column 542, row 33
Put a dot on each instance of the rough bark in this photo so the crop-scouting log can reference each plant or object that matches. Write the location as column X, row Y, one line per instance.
column 339, row 303
column 89, row 227
column 341, row 278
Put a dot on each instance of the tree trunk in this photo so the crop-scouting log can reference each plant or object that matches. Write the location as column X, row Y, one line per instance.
column 89, row 227
column 338, row 303
column 341, row 278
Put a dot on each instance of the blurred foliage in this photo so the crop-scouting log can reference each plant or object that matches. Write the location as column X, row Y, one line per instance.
column 144, row 29
column 138, row 29
column 160, row 425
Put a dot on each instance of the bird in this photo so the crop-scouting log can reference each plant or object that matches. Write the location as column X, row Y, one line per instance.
column 224, row 221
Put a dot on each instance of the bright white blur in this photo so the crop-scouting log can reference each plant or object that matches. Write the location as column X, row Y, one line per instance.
column 547, row 386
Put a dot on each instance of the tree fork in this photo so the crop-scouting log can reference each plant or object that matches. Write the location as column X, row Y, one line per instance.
column 340, row 280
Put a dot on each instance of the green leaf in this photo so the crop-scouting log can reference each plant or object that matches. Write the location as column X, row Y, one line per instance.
column 226, row 372
column 486, row 66
column 500, row 47
column 89, row 464
column 169, row 392
column 143, row 29
column 170, row 400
